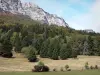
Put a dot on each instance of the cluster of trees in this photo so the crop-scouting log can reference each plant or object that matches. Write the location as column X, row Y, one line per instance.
column 49, row 41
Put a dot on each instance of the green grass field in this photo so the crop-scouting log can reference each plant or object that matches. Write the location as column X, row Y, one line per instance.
column 90, row 72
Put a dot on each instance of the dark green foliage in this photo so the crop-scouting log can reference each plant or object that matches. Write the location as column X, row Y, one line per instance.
column 69, row 70
column 6, row 46
column 55, row 54
column 40, row 63
column 91, row 67
column 54, row 69
column 66, row 67
column 54, row 48
column 86, row 65
column 20, row 32
column 90, row 46
column 18, row 43
column 96, row 67
column 7, row 55
column 32, row 54
column 25, row 51
column 44, row 49
column 74, row 53
column 40, row 68
column 65, row 51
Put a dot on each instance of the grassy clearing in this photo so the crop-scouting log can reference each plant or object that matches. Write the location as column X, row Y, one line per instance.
column 21, row 64
column 91, row 72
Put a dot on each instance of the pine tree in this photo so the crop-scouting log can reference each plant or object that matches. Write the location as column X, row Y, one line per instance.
column 90, row 46
column 32, row 54
column 55, row 54
column 18, row 43
column 44, row 49
column 6, row 46
column 54, row 48
column 65, row 51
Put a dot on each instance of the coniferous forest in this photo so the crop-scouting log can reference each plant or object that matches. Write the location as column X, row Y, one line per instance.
column 32, row 38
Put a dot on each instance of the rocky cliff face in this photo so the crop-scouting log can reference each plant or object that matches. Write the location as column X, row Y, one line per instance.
column 32, row 10
column 13, row 6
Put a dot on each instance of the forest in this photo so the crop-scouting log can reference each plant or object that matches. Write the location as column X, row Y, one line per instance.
column 31, row 38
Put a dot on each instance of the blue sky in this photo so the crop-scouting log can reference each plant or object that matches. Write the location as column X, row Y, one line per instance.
column 79, row 14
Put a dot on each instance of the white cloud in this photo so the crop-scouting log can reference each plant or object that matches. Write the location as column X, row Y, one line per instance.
column 89, row 20
column 95, row 16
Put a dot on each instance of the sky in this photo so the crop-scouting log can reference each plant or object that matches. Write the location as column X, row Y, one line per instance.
column 79, row 14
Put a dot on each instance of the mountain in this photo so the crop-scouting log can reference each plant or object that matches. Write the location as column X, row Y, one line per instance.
column 32, row 10
column 13, row 6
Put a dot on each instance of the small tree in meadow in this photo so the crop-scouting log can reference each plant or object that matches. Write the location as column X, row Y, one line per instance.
column 86, row 65
column 66, row 67
column 32, row 54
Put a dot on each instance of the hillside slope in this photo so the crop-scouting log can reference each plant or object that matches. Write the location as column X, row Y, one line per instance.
column 32, row 10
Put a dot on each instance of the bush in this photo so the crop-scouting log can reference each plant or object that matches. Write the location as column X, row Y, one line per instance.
column 54, row 69
column 96, row 67
column 91, row 67
column 25, row 51
column 69, row 70
column 1, row 53
column 30, row 53
column 40, row 68
column 86, row 65
column 40, row 63
column 61, row 69
column 66, row 67
column 32, row 59
column 7, row 55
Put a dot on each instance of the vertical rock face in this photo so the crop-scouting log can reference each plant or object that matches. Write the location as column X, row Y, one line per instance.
column 37, row 13
column 13, row 6
column 32, row 10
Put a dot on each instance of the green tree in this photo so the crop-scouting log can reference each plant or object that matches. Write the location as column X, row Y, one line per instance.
column 18, row 45
column 44, row 48
column 13, row 38
column 32, row 54
column 6, row 46
column 65, row 51
column 55, row 47
column 90, row 46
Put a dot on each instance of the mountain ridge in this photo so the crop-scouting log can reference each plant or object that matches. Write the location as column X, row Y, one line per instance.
column 32, row 10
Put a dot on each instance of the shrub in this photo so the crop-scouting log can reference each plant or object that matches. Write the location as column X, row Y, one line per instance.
column 33, row 70
column 25, row 51
column 91, row 67
column 61, row 69
column 66, row 67
column 7, row 55
column 1, row 53
column 30, row 53
column 40, row 63
column 32, row 56
column 96, row 67
column 86, row 65
column 40, row 68
column 54, row 69
column 74, row 53
column 69, row 70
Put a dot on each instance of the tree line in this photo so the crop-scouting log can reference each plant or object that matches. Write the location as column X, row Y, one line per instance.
column 49, row 41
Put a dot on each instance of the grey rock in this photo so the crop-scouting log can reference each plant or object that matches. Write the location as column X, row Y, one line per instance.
column 32, row 10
